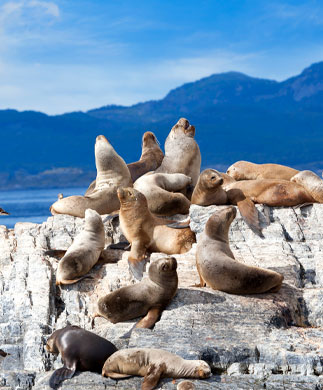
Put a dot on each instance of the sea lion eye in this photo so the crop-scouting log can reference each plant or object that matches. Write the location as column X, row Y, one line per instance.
column 213, row 177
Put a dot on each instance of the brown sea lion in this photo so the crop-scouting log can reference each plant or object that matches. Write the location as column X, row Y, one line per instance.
column 245, row 170
column 158, row 189
column 84, row 252
column 146, row 232
column 151, row 158
column 2, row 212
column 80, row 350
column 311, row 182
column 147, row 298
column 217, row 266
column 182, row 154
column 112, row 173
column 153, row 364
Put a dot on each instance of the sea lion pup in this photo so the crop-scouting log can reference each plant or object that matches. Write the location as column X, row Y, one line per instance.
column 311, row 182
column 151, row 158
column 147, row 298
column 80, row 350
column 112, row 172
column 217, row 266
column 84, row 252
column 3, row 212
column 182, row 153
column 245, row 170
column 158, row 187
column 146, row 232
column 153, row 364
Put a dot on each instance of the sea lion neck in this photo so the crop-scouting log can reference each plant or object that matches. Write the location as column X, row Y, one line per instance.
column 217, row 229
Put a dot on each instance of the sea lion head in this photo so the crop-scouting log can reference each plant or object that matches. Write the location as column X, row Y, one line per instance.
column 183, row 127
column 128, row 195
column 149, row 140
column 210, row 179
column 237, row 170
column 93, row 220
column 103, row 150
column 51, row 345
column 203, row 370
column 164, row 267
column 218, row 224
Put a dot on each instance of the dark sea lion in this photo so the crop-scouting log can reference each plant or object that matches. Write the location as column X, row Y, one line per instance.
column 311, row 182
column 84, row 252
column 245, row 170
column 112, row 173
column 153, row 364
column 160, row 190
column 147, row 298
column 147, row 233
column 151, row 158
column 182, row 154
column 2, row 212
column 80, row 350
column 217, row 266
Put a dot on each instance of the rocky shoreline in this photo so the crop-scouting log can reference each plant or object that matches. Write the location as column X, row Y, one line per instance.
column 269, row 341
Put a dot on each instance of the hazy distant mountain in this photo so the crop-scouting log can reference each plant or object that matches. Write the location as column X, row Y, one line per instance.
column 236, row 117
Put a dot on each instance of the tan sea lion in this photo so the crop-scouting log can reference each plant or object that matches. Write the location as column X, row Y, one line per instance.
column 80, row 350
column 84, row 252
column 3, row 212
column 245, row 170
column 151, row 158
column 112, row 173
column 153, row 364
column 158, row 189
column 311, row 182
column 146, row 232
column 217, row 266
column 147, row 298
column 182, row 154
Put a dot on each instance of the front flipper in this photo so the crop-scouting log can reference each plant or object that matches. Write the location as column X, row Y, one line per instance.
column 124, row 245
column 72, row 281
column 180, row 224
column 153, row 375
column 60, row 375
column 250, row 215
column 58, row 253
column 116, row 375
column 137, row 267
column 150, row 318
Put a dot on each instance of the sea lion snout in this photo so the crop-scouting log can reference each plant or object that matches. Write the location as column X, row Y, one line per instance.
column 169, row 264
column 101, row 138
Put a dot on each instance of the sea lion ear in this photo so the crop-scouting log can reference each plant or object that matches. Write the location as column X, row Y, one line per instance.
column 152, row 376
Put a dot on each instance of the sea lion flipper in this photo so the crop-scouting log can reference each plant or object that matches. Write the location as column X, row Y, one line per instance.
column 60, row 375
column 124, row 245
column 150, row 318
column 58, row 253
column 180, row 224
column 152, row 376
column 250, row 215
column 116, row 375
column 137, row 267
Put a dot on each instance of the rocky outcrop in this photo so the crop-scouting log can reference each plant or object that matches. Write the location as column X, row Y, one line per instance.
column 269, row 341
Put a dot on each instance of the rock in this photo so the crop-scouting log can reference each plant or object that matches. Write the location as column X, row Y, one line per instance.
column 271, row 341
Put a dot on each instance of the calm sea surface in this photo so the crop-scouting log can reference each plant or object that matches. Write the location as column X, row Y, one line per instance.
column 31, row 205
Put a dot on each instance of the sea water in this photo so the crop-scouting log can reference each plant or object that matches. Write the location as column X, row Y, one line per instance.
column 31, row 205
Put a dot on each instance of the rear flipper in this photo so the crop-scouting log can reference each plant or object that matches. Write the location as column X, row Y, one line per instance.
column 250, row 215
column 137, row 267
column 60, row 375
column 180, row 224
column 153, row 375
column 124, row 245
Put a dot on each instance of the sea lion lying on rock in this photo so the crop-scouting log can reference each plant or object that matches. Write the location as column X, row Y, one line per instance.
column 311, row 182
column 147, row 233
column 217, row 266
column 112, row 173
column 147, row 298
column 153, row 364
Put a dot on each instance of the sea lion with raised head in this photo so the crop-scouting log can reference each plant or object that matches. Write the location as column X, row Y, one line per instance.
column 159, row 188
column 80, row 350
column 245, row 170
column 151, row 158
column 147, row 233
column 182, row 153
column 153, row 364
column 84, row 252
column 311, row 182
column 112, row 173
column 147, row 298
column 217, row 266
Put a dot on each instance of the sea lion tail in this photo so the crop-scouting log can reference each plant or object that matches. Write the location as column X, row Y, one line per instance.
column 250, row 215
column 60, row 375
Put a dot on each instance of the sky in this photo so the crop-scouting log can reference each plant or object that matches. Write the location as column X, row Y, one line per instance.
column 74, row 55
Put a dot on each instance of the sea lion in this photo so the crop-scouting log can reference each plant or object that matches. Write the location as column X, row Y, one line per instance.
column 217, row 266
column 182, row 154
column 84, row 252
column 158, row 189
column 245, row 170
column 3, row 212
column 147, row 298
column 153, row 364
column 151, row 158
column 311, row 182
column 146, row 232
column 112, row 173
column 80, row 350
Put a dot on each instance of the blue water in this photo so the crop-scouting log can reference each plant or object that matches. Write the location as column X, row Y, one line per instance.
column 31, row 205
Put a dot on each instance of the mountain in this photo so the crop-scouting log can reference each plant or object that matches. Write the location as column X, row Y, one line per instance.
column 237, row 117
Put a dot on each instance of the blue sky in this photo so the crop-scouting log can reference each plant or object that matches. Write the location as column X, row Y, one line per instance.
column 64, row 55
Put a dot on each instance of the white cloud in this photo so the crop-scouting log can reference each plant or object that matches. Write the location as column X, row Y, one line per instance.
column 49, row 7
